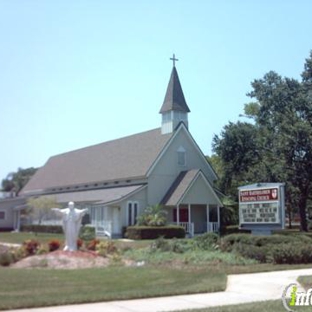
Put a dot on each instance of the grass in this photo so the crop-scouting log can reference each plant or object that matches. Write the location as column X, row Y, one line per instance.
column 19, row 238
column 37, row 287
column 266, row 306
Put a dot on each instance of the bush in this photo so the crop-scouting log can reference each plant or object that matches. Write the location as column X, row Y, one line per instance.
column 153, row 232
column 92, row 245
column 105, row 248
column 39, row 228
column 228, row 242
column 173, row 245
column 261, row 254
column 54, row 244
column 87, row 233
column 292, row 254
column 206, row 241
column 6, row 258
column 31, row 246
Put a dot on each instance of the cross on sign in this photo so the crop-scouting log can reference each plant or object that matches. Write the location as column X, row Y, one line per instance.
column 173, row 59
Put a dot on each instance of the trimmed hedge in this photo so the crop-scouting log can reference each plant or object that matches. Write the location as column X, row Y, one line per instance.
column 153, row 232
column 39, row 228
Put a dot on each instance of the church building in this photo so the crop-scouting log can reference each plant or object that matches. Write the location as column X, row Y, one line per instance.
column 117, row 180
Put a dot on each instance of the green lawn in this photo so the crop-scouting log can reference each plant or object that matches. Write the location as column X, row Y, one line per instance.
column 266, row 306
column 19, row 238
column 22, row 288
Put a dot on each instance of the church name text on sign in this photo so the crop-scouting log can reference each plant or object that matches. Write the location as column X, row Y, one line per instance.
column 259, row 195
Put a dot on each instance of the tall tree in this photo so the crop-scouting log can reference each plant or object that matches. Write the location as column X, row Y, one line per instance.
column 281, row 131
column 15, row 181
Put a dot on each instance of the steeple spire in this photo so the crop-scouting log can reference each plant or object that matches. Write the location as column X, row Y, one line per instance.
column 174, row 108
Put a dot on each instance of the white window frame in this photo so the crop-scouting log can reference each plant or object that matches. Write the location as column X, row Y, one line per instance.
column 133, row 214
column 181, row 155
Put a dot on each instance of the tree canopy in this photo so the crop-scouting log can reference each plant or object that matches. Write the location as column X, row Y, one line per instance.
column 276, row 146
column 15, row 181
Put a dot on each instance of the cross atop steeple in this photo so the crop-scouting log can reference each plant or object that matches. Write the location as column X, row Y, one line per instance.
column 173, row 59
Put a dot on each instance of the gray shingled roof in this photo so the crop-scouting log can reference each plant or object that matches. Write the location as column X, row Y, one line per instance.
column 179, row 187
column 125, row 158
column 174, row 98
column 102, row 195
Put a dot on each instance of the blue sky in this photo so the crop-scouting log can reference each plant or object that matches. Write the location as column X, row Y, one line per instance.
column 78, row 73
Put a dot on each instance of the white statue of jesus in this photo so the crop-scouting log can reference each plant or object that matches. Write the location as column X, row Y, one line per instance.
column 71, row 224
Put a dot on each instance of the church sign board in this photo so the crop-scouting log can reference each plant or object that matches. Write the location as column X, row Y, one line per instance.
column 262, row 207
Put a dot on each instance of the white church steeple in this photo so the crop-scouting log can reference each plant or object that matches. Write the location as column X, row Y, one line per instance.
column 174, row 109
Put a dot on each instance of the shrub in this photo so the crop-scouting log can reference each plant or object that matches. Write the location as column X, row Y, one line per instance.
column 39, row 228
column 105, row 248
column 87, row 233
column 153, row 232
column 253, row 252
column 206, row 241
column 31, row 246
column 92, row 245
column 42, row 250
column 54, row 244
column 153, row 216
column 291, row 254
column 6, row 258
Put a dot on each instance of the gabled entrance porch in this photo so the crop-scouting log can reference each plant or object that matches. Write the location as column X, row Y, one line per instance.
column 197, row 218
column 192, row 203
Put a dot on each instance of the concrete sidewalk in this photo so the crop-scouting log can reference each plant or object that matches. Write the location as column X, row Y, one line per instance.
column 242, row 288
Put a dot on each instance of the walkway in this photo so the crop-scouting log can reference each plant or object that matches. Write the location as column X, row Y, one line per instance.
column 242, row 288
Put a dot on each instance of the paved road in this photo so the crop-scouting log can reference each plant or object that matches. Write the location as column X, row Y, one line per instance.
column 242, row 288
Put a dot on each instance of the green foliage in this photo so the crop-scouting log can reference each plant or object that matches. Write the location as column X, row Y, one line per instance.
column 153, row 216
column 15, row 181
column 279, row 249
column 6, row 258
column 277, row 145
column 152, row 232
column 206, row 241
column 87, row 233
column 292, row 254
column 105, row 248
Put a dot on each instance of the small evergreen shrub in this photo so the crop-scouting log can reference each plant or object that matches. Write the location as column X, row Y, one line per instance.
column 6, row 258
column 153, row 232
column 206, row 241
column 39, row 228
column 87, row 233
column 292, row 254
column 261, row 254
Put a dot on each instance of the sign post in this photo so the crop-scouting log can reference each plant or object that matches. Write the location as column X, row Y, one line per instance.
column 262, row 207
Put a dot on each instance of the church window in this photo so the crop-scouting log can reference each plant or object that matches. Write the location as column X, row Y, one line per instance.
column 132, row 211
column 181, row 156
column 2, row 215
